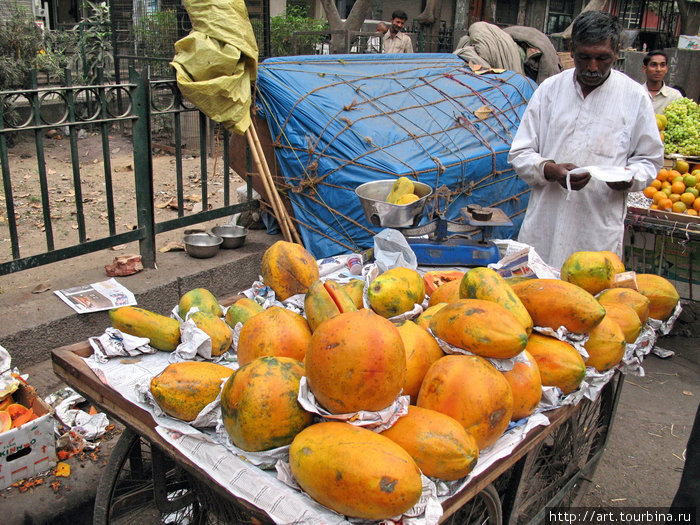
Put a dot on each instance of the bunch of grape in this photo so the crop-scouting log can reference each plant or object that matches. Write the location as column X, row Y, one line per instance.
column 682, row 134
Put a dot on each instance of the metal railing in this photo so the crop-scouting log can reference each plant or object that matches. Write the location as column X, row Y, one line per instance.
column 102, row 108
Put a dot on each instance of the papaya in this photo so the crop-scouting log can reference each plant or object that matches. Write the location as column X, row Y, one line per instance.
column 526, row 384
column 5, row 421
column 6, row 401
column 203, row 299
column 447, row 293
column 275, row 331
column 183, row 389
column 407, row 199
column 605, row 346
column 626, row 318
column 163, row 332
column 663, row 296
column 354, row 471
column 627, row 296
column 559, row 363
column 433, row 279
column 484, row 283
column 402, row 186
column 471, row 390
column 355, row 290
column 325, row 300
column 424, row 319
column 422, row 350
column 289, row 269
column 481, row 327
column 617, row 264
column 259, row 406
column 396, row 291
column 216, row 328
column 23, row 418
column 553, row 303
column 437, row 443
column 356, row 361
column 242, row 310
column 15, row 410
column 592, row 271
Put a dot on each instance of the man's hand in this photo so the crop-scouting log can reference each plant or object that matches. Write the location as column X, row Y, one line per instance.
column 557, row 173
column 620, row 186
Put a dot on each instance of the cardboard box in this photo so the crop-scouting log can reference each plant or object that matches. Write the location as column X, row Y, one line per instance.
column 30, row 449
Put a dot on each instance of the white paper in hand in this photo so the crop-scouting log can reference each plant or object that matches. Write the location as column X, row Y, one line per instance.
column 606, row 173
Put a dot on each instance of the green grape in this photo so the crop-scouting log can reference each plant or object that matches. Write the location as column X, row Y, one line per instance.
column 682, row 134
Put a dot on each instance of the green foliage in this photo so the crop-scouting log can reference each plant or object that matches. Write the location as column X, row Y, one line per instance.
column 282, row 29
column 94, row 44
column 155, row 35
column 23, row 47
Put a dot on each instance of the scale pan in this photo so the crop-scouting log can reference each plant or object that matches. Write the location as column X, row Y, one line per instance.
column 373, row 196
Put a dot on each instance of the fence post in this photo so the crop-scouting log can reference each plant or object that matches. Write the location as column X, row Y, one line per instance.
column 143, row 166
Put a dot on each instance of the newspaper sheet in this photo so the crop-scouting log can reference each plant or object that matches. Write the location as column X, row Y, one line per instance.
column 96, row 297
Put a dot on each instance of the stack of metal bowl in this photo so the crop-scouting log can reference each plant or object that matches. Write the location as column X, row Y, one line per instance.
column 232, row 234
column 202, row 245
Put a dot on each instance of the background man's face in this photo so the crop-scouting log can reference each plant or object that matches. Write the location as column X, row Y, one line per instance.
column 656, row 69
column 593, row 62
column 397, row 24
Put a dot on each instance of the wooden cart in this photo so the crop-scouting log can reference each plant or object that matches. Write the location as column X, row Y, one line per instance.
column 147, row 480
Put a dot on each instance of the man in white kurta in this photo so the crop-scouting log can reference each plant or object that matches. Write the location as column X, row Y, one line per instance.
column 585, row 116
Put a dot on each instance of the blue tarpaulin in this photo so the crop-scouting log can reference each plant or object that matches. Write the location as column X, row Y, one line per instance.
column 338, row 121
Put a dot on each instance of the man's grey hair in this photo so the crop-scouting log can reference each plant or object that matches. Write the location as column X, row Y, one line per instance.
column 593, row 27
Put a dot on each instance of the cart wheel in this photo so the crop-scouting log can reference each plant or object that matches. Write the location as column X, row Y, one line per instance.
column 483, row 508
column 142, row 485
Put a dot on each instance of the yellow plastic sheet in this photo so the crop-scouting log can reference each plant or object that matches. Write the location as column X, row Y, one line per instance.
column 216, row 63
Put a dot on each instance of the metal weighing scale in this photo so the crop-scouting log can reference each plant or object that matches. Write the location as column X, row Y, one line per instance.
column 440, row 242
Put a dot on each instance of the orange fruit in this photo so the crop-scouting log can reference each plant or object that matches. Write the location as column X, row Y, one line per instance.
column 690, row 180
column 691, row 211
column 696, row 205
column 666, row 190
column 665, row 184
column 654, row 207
column 649, row 191
column 663, row 174
column 678, row 187
column 675, row 197
column 678, row 207
column 694, row 191
column 681, row 166
column 687, row 198
column 658, row 196
column 665, row 204
column 656, row 183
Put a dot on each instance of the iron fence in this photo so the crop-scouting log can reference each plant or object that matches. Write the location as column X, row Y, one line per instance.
column 102, row 108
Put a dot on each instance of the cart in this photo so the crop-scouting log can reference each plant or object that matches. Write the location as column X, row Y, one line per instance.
column 148, row 480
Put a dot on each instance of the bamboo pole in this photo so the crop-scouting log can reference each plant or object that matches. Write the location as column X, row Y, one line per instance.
column 270, row 191
column 271, row 182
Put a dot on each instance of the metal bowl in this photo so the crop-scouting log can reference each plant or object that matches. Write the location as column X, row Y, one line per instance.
column 202, row 245
column 232, row 234
column 373, row 196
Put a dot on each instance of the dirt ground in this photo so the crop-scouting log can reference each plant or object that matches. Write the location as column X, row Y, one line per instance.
column 24, row 170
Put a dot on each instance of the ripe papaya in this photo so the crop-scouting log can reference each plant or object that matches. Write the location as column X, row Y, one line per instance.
column 525, row 382
column 424, row 319
column 355, row 471
column 5, row 421
column 626, row 318
column 471, row 390
column 605, row 345
column 242, row 310
column 627, row 296
column 592, row 271
column 486, row 284
column 163, row 332
column 356, row 361
column 436, row 278
column 396, row 291
column 553, row 303
column 355, row 290
column 203, row 299
column 422, row 350
column 326, row 299
column 216, row 328
column 447, row 293
column 617, row 264
column 437, row 443
column 402, row 186
column 559, row 363
column 481, row 327
column 288, row 269
column 663, row 296
column 275, row 331
column 259, row 404
column 183, row 389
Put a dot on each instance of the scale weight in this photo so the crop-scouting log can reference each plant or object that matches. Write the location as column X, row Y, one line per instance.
column 453, row 252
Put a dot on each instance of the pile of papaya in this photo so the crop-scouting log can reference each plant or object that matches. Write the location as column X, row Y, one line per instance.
column 354, row 356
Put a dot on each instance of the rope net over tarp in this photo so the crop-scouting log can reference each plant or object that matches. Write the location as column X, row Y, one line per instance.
column 338, row 121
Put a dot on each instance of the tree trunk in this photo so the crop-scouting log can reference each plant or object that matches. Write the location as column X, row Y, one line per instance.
column 690, row 17
column 354, row 22
column 592, row 5
column 430, row 14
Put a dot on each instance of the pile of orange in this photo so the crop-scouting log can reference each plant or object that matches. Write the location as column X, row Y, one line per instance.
column 676, row 190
